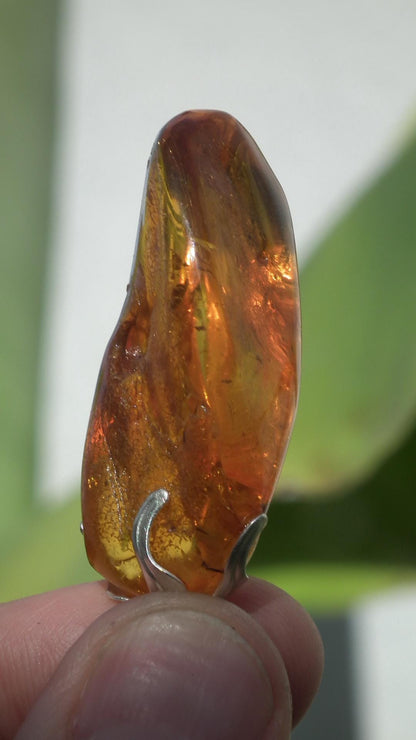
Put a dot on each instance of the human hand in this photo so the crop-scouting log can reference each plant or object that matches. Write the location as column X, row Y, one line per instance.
column 159, row 667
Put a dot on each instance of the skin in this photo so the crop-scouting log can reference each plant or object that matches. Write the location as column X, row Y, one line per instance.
column 74, row 664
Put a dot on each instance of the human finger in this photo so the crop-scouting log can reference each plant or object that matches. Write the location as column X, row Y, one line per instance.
column 167, row 666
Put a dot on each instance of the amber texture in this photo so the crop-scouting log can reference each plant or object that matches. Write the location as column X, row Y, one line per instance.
column 198, row 387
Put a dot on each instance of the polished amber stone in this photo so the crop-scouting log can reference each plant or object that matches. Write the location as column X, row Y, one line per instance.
column 198, row 387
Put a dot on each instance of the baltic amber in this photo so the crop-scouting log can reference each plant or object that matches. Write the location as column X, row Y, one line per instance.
column 198, row 387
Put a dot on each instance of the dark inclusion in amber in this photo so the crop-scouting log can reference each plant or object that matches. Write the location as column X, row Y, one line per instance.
column 198, row 387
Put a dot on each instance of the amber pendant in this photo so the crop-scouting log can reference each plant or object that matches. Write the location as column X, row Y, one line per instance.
column 198, row 386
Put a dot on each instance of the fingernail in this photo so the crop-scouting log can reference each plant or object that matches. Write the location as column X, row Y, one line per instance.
column 176, row 674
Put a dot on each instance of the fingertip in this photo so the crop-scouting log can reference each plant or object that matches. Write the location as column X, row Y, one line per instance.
column 282, row 631
column 293, row 632
column 197, row 665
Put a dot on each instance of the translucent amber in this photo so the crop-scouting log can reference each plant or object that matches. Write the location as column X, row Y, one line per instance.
column 198, row 387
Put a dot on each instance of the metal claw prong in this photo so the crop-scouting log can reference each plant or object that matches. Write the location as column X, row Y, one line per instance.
column 235, row 569
column 156, row 577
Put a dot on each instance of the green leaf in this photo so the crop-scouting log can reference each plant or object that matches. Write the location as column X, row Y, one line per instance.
column 27, row 49
column 331, row 588
column 358, row 395
column 329, row 551
column 47, row 552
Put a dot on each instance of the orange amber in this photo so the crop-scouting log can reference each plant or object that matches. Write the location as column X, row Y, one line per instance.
column 198, row 387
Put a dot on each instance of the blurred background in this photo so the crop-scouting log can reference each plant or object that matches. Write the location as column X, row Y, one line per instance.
column 328, row 91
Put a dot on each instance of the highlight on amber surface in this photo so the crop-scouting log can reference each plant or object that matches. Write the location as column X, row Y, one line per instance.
column 198, row 387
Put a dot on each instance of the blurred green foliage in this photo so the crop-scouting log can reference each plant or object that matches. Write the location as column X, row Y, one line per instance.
column 358, row 394
column 328, row 551
column 27, row 91
column 353, row 438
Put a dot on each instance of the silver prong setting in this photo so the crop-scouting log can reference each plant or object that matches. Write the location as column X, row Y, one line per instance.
column 157, row 578
column 235, row 571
